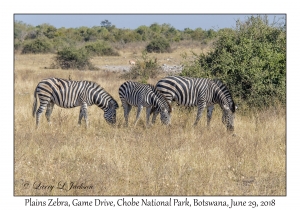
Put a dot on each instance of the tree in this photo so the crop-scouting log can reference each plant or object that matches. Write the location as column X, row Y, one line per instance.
column 251, row 60
column 106, row 24
column 159, row 45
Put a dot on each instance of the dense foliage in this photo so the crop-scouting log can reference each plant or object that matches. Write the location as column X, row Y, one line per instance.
column 100, row 48
column 250, row 59
column 160, row 45
column 144, row 69
column 60, row 38
column 72, row 58
column 39, row 45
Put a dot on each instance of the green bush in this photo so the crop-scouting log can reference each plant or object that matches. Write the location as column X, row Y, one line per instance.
column 144, row 69
column 39, row 45
column 159, row 45
column 100, row 48
column 17, row 45
column 251, row 60
column 72, row 58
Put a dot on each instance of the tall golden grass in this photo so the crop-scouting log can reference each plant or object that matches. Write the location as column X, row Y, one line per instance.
column 67, row 159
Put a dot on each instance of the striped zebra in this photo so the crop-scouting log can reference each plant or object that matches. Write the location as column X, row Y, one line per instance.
column 229, row 98
column 143, row 95
column 199, row 92
column 69, row 94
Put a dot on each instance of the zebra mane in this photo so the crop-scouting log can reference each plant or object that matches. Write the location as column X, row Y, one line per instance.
column 152, row 87
column 169, row 105
column 97, row 86
column 111, row 98
column 115, row 102
column 226, row 92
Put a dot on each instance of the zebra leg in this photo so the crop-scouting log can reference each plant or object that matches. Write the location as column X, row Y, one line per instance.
column 148, row 111
column 140, row 107
column 84, row 114
column 49, row 111
column 199, row 113
column 40, row 110
column 155, row 113
column 80, row 115
column 210, row 110
column 127, row 108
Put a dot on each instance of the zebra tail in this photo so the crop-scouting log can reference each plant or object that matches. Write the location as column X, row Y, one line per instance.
column 34, row 104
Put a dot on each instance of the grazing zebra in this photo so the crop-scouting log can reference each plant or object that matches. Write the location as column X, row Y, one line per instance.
column 131, row 62
column 143, row 95
column 199, row 92
column 69, row 94
column 228, row 96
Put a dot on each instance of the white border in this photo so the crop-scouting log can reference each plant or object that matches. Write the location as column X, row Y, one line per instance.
column 8, row 201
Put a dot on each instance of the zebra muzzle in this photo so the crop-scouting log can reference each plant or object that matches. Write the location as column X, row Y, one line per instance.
column 230, row 128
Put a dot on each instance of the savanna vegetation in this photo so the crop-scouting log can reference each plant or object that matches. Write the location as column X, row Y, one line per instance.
column 251, row 60
column 157, row 160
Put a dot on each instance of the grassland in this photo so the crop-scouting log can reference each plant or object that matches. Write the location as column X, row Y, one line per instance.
column 176, row 160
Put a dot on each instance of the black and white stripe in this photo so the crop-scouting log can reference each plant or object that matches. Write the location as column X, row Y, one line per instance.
column 200, row 92
column 143, row 95
column 69, row 94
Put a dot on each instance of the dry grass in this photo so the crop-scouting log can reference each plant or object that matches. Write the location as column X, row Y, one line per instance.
column 176, row 160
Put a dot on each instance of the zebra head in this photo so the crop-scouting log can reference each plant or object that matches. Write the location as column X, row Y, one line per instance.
column 229, row 115
column 165, row 116
column 110, row 112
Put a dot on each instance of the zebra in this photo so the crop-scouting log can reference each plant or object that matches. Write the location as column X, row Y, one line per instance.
column 199, row 92
column 143, row 95
column 69, row 94
column 229, row 98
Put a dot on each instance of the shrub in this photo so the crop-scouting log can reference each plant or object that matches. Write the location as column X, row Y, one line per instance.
column 101, row 48
column 159, row 45
column 251, row 60
column 72, row 58
column 144, row 69
column 39, row 45
column 17, row 45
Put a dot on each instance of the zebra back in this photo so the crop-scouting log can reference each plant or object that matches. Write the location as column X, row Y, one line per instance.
column 68, row 93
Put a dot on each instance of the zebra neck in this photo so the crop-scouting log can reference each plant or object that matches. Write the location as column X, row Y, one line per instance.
column 101, row 99
column 103, row 104
column 158, row 102
column 219, row 97
column 152, row 100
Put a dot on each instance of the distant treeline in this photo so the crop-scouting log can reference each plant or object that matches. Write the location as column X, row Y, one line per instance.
column 51, row 39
